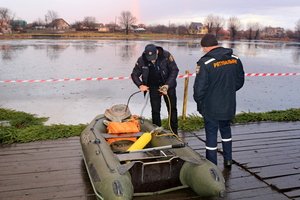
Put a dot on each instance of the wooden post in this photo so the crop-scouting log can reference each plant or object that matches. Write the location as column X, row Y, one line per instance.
column 185, row 95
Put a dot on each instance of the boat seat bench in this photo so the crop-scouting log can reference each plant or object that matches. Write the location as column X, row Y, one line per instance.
column 156, row 154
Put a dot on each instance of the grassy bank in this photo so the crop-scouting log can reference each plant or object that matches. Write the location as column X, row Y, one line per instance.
column 95, row 35
column 27, row 127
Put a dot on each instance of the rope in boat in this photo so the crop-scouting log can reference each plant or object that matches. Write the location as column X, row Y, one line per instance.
column 169, row 120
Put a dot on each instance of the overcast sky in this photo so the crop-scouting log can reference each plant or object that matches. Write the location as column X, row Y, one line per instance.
column 283, row 13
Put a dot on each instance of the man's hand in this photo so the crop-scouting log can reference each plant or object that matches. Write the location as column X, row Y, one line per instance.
column 164, row 89
column 144, row 88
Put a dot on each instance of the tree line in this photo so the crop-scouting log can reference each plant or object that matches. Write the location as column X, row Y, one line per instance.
column 213, row 24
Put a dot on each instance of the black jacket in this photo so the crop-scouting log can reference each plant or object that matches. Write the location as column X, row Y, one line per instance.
column 219, row 75
column 167, row 65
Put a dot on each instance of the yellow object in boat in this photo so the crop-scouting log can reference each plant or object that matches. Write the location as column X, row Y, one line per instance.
column 141, row 142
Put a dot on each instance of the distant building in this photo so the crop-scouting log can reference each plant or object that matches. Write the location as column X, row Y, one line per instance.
column 276, row 32
column 139, row 30
column 103, row 29
column 197, row 28
column 18, row 25
column 59, row 24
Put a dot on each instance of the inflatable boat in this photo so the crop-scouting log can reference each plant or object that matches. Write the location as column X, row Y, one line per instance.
column 145, row 160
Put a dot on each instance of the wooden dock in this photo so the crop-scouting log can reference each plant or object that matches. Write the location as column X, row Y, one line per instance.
column 266, row 156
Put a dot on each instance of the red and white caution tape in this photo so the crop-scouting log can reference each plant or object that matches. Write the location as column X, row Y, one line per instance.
column 126, row 77
column 272, row 74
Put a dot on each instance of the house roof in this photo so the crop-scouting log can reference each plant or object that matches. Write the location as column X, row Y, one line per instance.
column 59, row 21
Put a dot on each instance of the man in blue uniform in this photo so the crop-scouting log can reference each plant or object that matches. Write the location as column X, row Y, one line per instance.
column 219, row 75
column 156, row 71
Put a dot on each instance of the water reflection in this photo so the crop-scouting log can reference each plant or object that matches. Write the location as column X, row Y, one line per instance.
column 10, row 52
column 127, row 51
column 53, row 51
column 193, row 45
column 296, row 55
column 86, row 46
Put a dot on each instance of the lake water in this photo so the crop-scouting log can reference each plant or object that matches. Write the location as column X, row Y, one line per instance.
column 79, row 102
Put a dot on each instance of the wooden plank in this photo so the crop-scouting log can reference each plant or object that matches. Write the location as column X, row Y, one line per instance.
column 41, row 166
column 260, row 193
column 39, row 149
column 244, row 183
column 253, row 153
column 81, row 190
column 27, row 185
column 278, row 170
column 42, row 144
column 264, row 126
column 293, row 193
column 267, row 135
column 261, row 137
column 250, row 156
column 273, row 140
column 272, row 196
column 285, row 182
column 254, row 165
column 293, row 144
column 257, row 162
column 38, row 177
column 48, row 155
column 245, row 129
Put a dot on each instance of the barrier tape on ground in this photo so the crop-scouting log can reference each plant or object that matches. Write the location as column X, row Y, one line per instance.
column 126, row 77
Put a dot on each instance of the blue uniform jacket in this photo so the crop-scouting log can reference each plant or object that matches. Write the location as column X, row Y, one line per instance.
column 219, row 75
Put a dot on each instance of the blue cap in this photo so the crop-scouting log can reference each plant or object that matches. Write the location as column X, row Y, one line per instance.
column 150, row 52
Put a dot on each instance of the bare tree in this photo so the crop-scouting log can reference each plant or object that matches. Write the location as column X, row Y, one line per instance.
column 253, row 30
column 257, row 28
column 158, row 28
column 5, row 17
column 214, row 23
column 89, row 22
column 219, row 24
column 234, row 25
column 112, row 26
column 297, row 31
column 77, row 25
column 127, row 20
column 38, row 24
column 209, row 23
column 50, row 16
column 182, row 30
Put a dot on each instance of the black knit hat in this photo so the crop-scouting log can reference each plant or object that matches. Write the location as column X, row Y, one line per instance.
column 209, row 40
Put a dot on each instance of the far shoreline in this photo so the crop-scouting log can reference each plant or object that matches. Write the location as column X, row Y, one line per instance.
column 117, row 36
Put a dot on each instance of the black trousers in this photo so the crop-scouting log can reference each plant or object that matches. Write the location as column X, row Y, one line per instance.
column 155, row 100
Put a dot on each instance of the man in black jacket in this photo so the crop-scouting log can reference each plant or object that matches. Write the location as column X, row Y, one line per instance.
column 219, row 75
column 156, row 71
